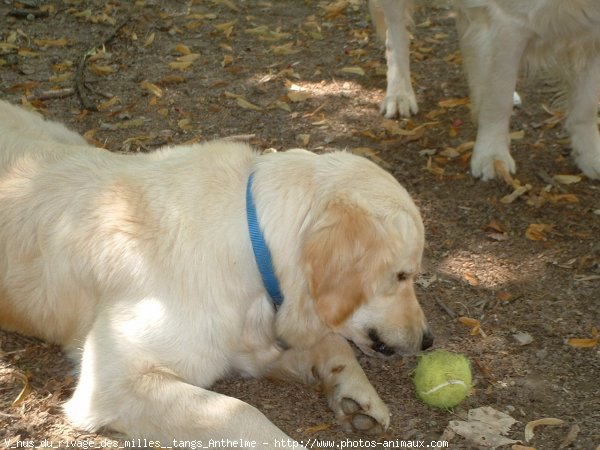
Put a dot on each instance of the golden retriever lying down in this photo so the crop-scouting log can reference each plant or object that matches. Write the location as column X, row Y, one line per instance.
column 143, row 269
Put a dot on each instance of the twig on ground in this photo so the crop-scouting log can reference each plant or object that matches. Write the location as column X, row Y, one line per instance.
column 47, row 95
column 80, row 73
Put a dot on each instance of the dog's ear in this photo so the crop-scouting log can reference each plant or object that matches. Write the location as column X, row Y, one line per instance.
column 336, row 257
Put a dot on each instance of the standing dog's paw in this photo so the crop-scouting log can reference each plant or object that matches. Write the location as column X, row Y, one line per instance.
column 484, row 160
column 586, row 152
column 589, row 165
column 399, row 103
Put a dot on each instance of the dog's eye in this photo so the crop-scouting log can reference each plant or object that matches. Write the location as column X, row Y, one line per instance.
column 401, row 276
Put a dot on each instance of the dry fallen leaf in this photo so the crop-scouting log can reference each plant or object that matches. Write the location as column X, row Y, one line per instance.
column 530, row 427
column 152, row 88
column 51, row 42
column 227, row 60
column 180, row 65
column 335, row 9
column 60, row 78
column 100, row 69
column 518, row 192
column 298, row 96
column 566, row 179
column 149, row 40
column 24, row 391
column 182, row 49
column 242, row 102
column 570, row 437
column 484, row 426
column 585, row 342
column 317, row 428
column 453, row 102
column 433, row 168
column 353, row 70
column 26, row 53
column 471, row 279
column 285, row 49
column 108, row 103
column 226, row 28
column 185, row 124
column 189, row 57
column 538, row 231
column 474, row 324
column 516, row 135
column 373, row 155
column 278, row 104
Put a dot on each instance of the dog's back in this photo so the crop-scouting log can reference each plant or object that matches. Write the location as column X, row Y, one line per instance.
column 18, row 121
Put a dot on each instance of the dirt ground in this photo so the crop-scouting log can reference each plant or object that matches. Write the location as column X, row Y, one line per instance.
column 513, row 285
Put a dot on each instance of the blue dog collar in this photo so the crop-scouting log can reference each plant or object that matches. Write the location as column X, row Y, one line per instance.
column 260, row 249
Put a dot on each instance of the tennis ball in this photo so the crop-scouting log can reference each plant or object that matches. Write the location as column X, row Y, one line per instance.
column 442, row 379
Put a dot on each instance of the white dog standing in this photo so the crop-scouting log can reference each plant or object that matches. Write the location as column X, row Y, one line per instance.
column 498, row 37
column 144, row 269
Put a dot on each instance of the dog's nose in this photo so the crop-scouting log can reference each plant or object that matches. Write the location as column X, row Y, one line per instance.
column 427, row 340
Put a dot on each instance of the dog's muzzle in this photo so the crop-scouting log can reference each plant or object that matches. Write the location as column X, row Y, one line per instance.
column 378, row 346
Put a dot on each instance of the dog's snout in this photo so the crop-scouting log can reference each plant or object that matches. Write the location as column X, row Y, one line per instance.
column 378, row 345
column 427, row 340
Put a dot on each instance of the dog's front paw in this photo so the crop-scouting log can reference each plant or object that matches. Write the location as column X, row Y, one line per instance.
column 484, row 160
column 588, row 158
column 360, row 410
column 399, row 103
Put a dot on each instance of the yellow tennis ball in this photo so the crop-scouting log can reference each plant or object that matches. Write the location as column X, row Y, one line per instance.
column 442, row 379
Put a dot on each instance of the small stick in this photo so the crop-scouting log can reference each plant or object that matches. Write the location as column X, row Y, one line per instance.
column 56, row 93
column 24, row 13
column 80, row 75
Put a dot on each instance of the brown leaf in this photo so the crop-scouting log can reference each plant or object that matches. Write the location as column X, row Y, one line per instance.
column 473, row 323
column 355, row 70
column 108, row 103
column 471, row 279
column 182, row 49
column 566, row 179
column 51, row 42
column 24, row 391
column 100, row 69
column 335, row 9
column 298, row 96
column 226, row 28
column 180, row 65
column 317, row 428
column 530, row 427
column 227, row 60
column 585, row 342
column 285, row 49
column 152, row 88
column 538, row 231
column 453, row 102
column 149, row 40
column 494, row 225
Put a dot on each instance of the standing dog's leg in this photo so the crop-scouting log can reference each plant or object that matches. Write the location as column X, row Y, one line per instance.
column 496, row 75
column 332, row 367
column 391, row 16
column 583, row 93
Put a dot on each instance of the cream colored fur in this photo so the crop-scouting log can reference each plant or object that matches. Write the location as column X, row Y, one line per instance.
column 498, row 37
column 142, row 268
column 391, row 18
